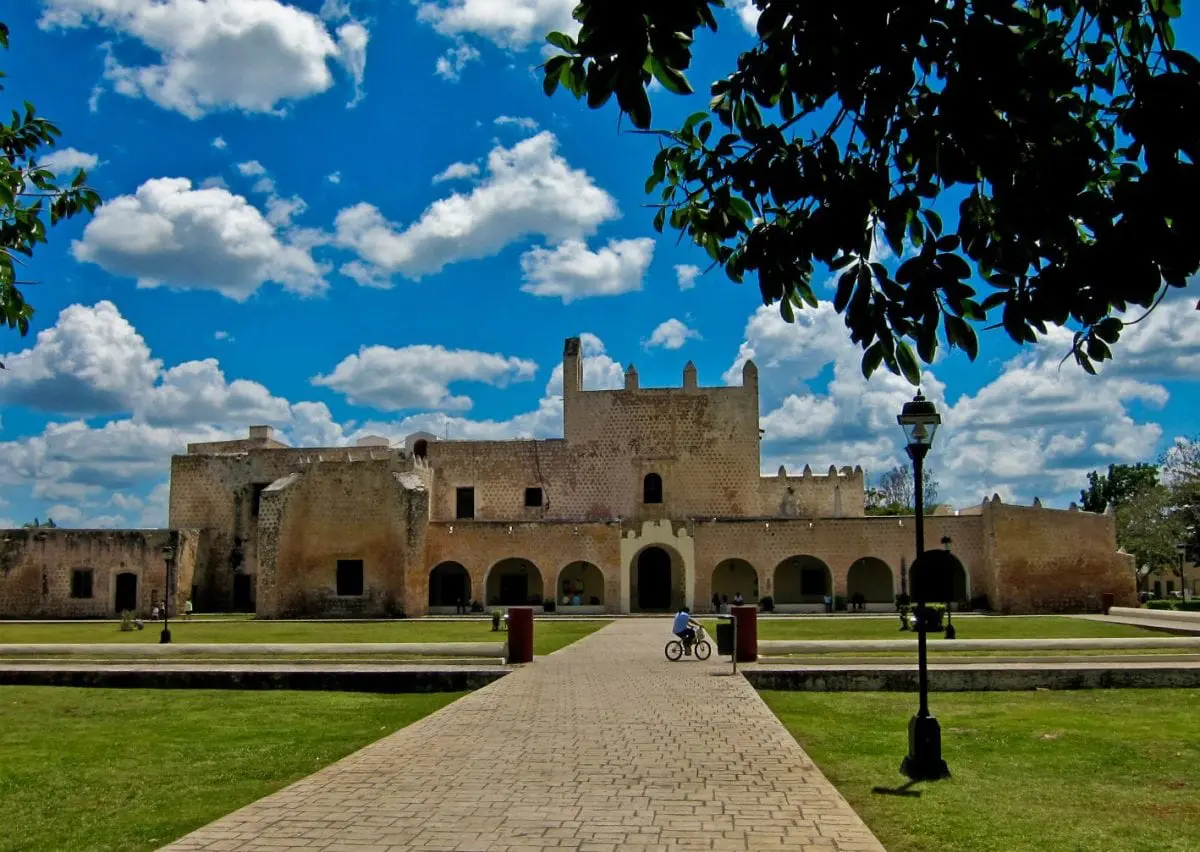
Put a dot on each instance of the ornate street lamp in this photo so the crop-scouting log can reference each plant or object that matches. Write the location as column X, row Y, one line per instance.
column 168, row 555
column 919, row 420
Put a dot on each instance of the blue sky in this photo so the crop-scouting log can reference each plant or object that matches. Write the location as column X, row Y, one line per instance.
column 346, row 217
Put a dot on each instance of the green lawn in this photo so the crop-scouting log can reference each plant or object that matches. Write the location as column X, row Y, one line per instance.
column 1091, row 770
column 130, row 769
column 967, row 627
column 547, row 635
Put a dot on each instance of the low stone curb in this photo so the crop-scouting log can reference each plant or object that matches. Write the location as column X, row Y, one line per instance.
column 348, row 678
column 975, row 678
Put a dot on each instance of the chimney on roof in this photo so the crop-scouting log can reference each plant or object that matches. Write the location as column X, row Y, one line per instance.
column 690, row 381
column 631, row 378
column 264, row 433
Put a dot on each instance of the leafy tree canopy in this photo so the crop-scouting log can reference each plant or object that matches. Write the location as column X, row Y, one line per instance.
column 27, row 194
column 1121, row 483
column 1181, row 471
column 895, row 491
column 1149, row 527
column 1067, row 131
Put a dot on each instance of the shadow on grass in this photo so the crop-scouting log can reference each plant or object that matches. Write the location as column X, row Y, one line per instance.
column 903, row 790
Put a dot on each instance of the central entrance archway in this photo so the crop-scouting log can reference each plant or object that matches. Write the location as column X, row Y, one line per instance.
column 653, row 580
column 514, row 582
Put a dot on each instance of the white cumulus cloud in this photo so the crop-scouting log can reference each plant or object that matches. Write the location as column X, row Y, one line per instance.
column 572, row 271
column 450, row 65
column 457, row 171
column 685, row 275
column 519, row 121
column 252, row 55
column 68, row 160
column 529, row 190
column 671, row 334
column 419, row 376
column 506, row 23
column 169, row 234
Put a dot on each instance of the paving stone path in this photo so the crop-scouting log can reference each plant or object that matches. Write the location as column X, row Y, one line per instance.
column 603, row 746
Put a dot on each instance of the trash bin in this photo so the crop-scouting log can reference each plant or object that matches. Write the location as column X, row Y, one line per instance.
column 725, row 637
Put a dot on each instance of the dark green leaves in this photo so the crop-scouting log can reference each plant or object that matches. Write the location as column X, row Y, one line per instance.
column 1068, row 134
column 27, row 192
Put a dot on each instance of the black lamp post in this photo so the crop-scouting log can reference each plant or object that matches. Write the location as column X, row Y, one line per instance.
column 168, row 554
column 951, row 633
column 920, row 421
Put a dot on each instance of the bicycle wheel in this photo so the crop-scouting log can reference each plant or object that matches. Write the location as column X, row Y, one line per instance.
column 703, row 649
column 674, row 650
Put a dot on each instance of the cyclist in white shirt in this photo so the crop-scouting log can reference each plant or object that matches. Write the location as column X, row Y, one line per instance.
column 685, row 628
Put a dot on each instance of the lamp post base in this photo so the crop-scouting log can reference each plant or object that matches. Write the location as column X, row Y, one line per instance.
column 164, row 638
column 924, row 761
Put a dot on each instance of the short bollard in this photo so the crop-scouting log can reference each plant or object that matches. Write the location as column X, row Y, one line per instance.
column 520, row 634
column 746, row 625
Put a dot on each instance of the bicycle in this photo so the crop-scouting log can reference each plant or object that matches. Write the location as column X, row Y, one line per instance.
column 701, row 647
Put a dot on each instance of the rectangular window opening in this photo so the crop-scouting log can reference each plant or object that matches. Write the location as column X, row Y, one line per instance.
column 465, row 503
column 81, row 583
column 349, row 578
column 256, row 491
column 533, row 498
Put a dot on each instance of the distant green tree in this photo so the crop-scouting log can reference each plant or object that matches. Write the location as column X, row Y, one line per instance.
column 35, row 524
column 1149, row 527
column 1121, row 483
column 895, row 491
column 1181, row 471
column 1066, row 132
column 27, row 193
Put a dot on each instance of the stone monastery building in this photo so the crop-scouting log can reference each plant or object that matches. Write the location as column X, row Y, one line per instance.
column 652, row 499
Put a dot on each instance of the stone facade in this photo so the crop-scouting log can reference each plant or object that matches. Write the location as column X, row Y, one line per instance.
column 63, row 573
column 652, row 499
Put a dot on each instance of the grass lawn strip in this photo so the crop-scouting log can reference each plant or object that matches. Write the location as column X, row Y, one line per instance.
column 1088, row 770
column 548, row 636
column 133, row 769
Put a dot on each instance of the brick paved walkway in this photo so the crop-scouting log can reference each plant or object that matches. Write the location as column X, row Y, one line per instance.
column 603, row 746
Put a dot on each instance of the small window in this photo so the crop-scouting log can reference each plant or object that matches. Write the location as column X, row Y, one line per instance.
column 349, row 578
column 81, row 583
column 256, row 491
column 533, row 498
column 465, row 499
column 652, row 488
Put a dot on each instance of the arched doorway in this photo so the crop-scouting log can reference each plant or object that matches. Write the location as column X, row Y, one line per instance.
column 449, row 583
column 514, row 582
column 126, row 594
column 656, row 576
column 802, row 580
column 952, row 587
column 871, row 578
column 652, row 488
column 732, row 576
column 581, row 584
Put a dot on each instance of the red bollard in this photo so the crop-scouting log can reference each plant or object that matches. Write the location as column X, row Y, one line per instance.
column 520, row 634
column 746, row 640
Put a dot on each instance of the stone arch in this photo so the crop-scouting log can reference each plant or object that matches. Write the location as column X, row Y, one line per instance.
column 872, row 578
column 583, row 579
column 448, row 581
column 957, row 588
column 652, row 488
column 735, row 575
column 656, row 580
column 514, row 581
column 802, row 579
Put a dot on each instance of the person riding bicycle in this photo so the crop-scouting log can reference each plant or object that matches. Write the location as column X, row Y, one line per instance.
column 685, row 628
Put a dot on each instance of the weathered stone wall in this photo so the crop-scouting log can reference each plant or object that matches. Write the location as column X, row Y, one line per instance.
column 478, row 546
column 213, row 488
column 36, row 566
column 372, row 510
column 1051, row 560
column 837, row 494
